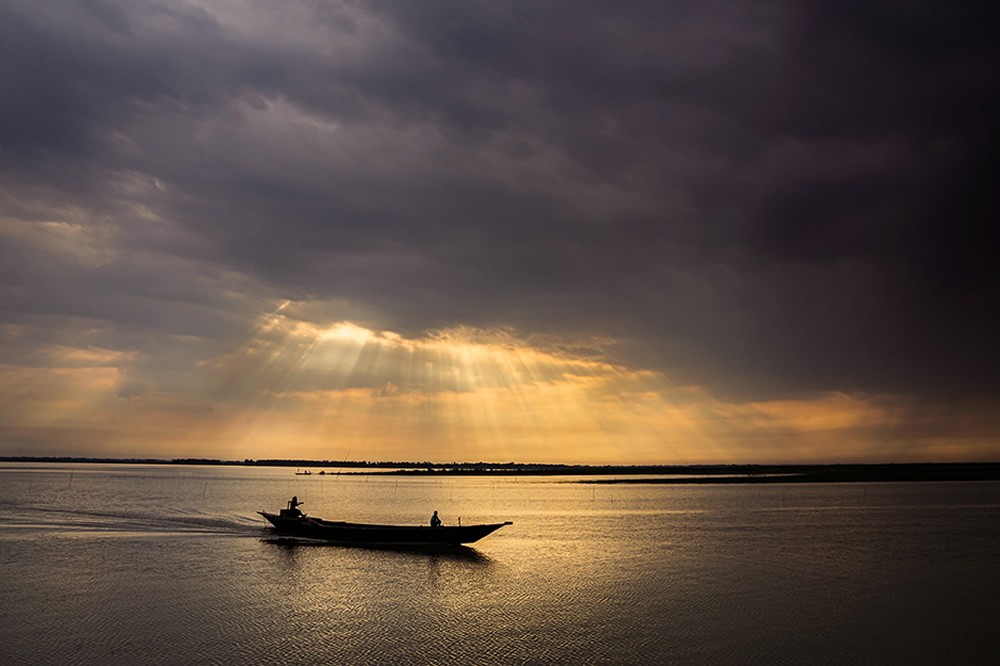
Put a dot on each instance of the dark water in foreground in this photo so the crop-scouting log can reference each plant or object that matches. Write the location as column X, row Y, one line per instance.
column 124, row 564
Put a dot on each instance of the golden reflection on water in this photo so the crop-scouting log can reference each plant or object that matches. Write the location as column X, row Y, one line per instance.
column 170, row 564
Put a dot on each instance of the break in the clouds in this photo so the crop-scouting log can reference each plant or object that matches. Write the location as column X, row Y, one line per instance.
column 752, row 203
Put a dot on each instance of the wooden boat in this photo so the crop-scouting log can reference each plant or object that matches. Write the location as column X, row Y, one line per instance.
column 294, row 523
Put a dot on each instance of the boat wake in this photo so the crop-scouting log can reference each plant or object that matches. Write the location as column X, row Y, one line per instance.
column 34, row 518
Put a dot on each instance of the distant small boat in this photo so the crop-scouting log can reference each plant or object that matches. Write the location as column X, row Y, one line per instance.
column 294, row 523
column 303, row 473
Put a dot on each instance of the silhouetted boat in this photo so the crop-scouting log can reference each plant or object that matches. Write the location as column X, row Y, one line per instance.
column 301, row 473
column 290, row 523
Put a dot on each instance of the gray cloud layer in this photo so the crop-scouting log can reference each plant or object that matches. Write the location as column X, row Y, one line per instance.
column 770, row 199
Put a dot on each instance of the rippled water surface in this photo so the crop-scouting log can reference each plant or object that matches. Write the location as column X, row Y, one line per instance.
column 159, row 564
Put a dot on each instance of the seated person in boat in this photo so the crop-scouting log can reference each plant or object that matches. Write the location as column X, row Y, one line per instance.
column 435, row 521
column 293, row 507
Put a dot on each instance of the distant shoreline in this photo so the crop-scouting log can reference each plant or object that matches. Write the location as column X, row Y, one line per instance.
column 650, row 474
column 834, row 474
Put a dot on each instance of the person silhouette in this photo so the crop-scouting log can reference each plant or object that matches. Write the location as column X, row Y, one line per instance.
column 435, row 521
column 293, row 506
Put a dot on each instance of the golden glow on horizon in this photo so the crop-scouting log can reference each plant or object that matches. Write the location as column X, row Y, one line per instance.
column 297, row 389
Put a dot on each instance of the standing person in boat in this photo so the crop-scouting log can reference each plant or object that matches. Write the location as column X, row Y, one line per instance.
column 293, row 506
column 435, row 521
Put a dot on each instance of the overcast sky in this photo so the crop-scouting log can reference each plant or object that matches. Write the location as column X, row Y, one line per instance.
column 488, row 230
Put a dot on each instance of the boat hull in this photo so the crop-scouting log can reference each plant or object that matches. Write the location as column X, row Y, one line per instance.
column 396, row 535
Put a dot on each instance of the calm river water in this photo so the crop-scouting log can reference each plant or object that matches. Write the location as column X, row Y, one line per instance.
column 162, row 564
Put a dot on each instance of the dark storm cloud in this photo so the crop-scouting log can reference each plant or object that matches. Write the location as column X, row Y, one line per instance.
column 767, row 199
